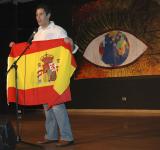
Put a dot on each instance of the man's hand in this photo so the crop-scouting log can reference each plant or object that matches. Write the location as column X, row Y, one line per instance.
column 69, row 40
column 74, row 46
column 11, row 44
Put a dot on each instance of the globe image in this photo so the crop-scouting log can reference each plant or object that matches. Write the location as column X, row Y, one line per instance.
column 114, row 49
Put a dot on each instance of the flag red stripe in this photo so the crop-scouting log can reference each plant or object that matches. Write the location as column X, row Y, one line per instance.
column 36, row 96
column 38, row 46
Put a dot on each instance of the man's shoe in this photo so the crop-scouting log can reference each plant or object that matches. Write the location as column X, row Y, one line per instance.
column 45, row 141
column 63, row 143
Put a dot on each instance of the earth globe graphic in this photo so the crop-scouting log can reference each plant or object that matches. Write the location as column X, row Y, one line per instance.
column 114, row 49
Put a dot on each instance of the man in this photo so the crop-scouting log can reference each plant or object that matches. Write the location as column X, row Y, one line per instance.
column 57, row 120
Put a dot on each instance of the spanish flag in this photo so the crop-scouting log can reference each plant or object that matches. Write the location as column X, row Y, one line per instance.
column 44, row 73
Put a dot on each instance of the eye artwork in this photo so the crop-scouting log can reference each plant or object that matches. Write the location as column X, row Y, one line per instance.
column 118, row 38
column 114, row 49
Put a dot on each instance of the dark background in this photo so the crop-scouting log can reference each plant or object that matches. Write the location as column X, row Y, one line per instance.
column 17, row 24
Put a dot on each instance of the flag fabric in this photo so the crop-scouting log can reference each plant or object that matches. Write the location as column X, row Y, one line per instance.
column 44, row 73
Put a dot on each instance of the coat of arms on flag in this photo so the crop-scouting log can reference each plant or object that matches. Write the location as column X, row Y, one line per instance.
column 47, row 68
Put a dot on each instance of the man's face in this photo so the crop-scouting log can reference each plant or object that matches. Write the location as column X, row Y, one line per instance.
column 42, row 18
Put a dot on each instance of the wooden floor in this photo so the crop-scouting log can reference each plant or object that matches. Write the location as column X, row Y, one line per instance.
column 96, row 132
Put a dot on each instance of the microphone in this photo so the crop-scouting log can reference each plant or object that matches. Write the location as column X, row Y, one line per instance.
column 32, row 36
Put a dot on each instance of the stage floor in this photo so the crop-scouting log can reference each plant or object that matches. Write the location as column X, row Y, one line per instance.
column 95, row 132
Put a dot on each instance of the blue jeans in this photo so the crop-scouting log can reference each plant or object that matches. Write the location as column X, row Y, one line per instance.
column 57, row 122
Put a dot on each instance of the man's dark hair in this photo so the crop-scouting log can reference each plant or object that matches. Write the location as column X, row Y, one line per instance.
column 46, row 8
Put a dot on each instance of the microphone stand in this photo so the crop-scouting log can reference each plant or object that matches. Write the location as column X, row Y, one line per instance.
column 18, row 111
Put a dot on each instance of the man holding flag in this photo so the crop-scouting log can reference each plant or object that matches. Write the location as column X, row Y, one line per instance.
column 51, row 49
